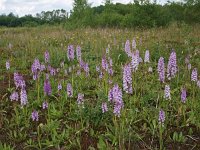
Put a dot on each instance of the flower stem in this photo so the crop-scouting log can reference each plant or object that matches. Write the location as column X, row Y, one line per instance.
column 160, row 137
column 38, row 90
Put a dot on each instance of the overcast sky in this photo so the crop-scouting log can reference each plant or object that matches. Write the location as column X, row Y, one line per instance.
column 22, row 7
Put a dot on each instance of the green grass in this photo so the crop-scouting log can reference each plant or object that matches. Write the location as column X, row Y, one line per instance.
column 65, row 125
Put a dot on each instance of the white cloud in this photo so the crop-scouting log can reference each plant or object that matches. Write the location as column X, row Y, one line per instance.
column 123, row 1
column 2, row 5
column 22, row 7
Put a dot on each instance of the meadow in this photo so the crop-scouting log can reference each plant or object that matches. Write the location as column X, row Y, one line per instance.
column 100, row 88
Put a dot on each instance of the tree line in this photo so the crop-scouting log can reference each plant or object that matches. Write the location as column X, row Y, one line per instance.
column 139, row 13
column 45, row 17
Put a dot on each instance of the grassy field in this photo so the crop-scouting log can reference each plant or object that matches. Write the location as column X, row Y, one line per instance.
column 52, row 98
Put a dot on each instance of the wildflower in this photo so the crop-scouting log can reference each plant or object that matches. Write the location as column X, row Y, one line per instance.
column 101, row 75
column 7, row 65
column 46, row 56
column 44, row 105
column 167, row 94
column 22, row 83
column 183, row 95
column 189, row 66
column 23, row 97
column 161, row 69
column 117, row 108
column 59, row 86
column 47, row 76
column 42, row 67
column 104, row 63
column 47, row 87
column 134, row 62
column 81, row 63
column 137, row 53
column 110, row 81
column 117, row 99
column 146, row 57
column 52, row 71
column 80, row 98
column 70, row 52
column 78, row 53
column 110, row 71
column 36, row 67
column 86, row 69
column 19, row 81
column 69, row 90
column 117, row 93
column 128, row 48
column 110, row 95
column 35, row 116
column 127, row 79
column 161, row 118
column 134, row 44
column 49, row 67
column 34, row 76
column 172, row 66
column 104, row 107
column 14, row 96
column 194, row 75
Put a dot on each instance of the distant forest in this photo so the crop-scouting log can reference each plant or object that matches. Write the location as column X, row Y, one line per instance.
column 139, row 13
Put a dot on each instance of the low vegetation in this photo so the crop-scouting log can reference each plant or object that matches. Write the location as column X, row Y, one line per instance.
column 100, row 88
